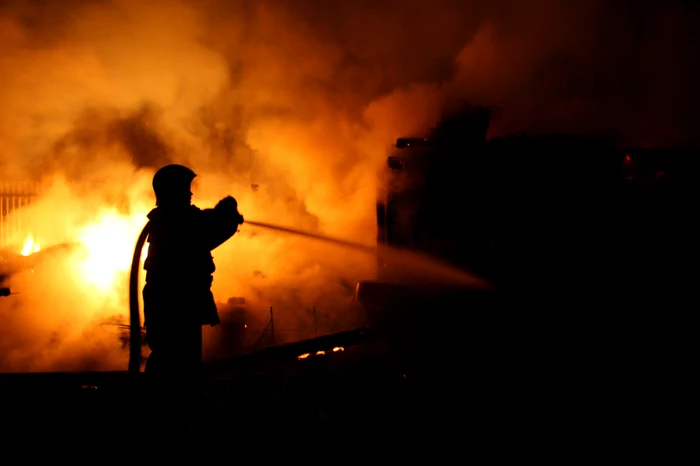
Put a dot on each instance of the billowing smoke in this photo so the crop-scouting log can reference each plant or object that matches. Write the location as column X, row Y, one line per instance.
column 289, row 107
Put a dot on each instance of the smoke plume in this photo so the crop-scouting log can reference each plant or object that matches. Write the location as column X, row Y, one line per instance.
column 290, row 107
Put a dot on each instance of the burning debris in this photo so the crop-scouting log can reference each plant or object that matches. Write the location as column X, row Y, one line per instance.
column 320, row 353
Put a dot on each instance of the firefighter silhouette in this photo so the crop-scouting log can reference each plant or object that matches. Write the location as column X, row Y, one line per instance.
column 179, row 271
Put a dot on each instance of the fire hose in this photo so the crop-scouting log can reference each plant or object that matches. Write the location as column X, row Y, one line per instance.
column 134, row 312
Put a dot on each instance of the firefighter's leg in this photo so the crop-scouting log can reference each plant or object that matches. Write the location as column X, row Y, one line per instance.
column 190, row 392
column 152, row 339
column 177, row 376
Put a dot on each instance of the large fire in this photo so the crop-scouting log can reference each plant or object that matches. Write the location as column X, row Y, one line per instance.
column 109, row 244
column 72, row 300
column 106, row 248
column 72, row 288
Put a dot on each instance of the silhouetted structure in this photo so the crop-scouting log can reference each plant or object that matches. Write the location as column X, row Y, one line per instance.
column 232, row 337
column 15, row 196
column 588, row 245
column 267, row 337
column 521, row 207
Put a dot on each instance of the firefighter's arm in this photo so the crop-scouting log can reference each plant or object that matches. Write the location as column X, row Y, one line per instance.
column 221, row 222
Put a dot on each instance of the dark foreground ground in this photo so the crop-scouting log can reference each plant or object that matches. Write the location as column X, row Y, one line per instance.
column 502, row 389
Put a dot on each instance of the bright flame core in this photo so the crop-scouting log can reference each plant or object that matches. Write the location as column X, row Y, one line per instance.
column 109, row 244
column 30, row 247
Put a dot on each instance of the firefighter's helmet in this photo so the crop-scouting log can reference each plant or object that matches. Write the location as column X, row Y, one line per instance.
column 172, row 181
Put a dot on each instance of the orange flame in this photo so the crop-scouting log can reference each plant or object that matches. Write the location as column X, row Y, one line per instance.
column 30, row 247
column 109, row 244
column 320, row 353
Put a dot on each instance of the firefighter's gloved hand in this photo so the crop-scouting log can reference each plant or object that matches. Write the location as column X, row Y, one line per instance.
column 230, row 205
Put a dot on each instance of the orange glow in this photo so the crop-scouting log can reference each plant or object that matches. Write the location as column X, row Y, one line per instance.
column 92, row 111
column 287, row 116
column 109, row 244
column 30, row 247
column 320, row 353
column 76, row 294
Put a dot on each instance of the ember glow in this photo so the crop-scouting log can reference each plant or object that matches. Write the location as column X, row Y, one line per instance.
column 337, row 349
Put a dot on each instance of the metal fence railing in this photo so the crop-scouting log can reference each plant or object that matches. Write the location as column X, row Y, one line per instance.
column 14, row 196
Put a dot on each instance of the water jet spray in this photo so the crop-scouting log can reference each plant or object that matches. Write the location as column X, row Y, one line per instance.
column 328, row 239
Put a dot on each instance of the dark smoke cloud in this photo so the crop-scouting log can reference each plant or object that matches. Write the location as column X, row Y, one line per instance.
column 291, row 106
column 622, row 68
column 585, row 66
